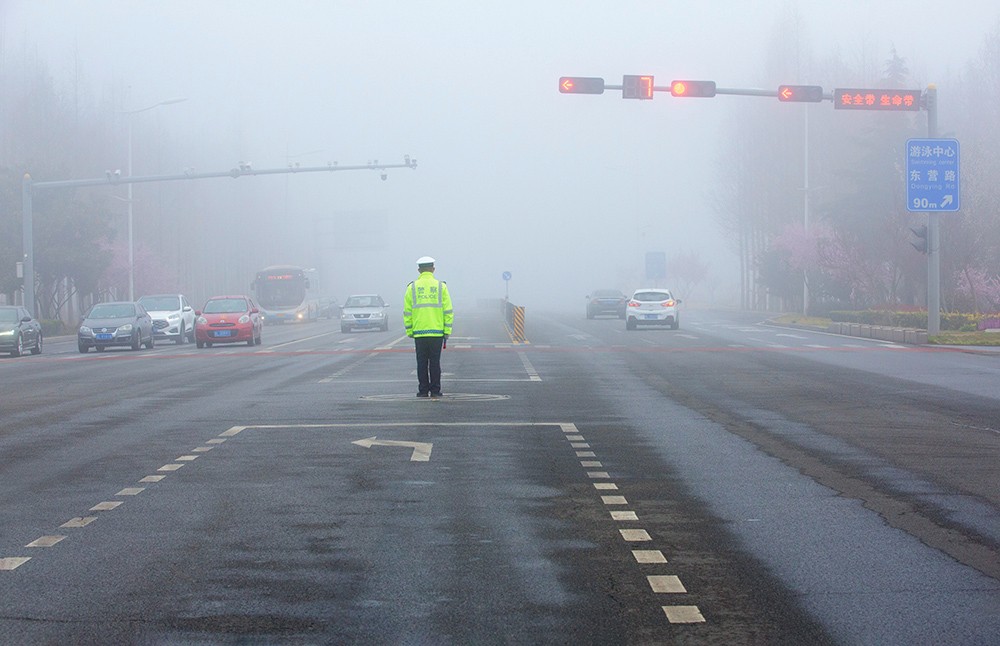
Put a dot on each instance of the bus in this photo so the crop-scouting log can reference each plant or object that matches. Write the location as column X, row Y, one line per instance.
column 284, row 294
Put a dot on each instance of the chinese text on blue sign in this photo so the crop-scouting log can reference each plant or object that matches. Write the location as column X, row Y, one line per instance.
column 932, row 175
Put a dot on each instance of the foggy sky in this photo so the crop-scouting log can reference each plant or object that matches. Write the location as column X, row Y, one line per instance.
column 566, row 192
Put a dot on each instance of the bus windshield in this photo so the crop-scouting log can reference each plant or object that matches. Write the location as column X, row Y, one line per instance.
column 284, row 291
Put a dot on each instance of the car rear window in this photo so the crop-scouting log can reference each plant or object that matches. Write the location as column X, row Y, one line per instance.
column 607, row 293
column 651, row 297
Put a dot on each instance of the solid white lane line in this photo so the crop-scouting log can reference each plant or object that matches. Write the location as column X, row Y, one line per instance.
column 532, row 373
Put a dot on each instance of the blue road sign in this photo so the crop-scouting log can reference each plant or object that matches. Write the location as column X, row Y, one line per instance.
column 506, row 275
column 932, row 175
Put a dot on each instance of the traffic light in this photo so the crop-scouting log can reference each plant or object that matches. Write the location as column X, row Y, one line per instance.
column 800, row 93
column 869, row 99
column 921, row 233
column 692, row 88
column 637, row 87
column 581, row 85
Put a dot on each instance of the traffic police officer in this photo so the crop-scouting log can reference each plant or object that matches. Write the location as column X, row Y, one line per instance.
column 427, row 318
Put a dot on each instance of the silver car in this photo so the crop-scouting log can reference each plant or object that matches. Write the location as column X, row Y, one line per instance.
column 364, row 312
column 652, row 306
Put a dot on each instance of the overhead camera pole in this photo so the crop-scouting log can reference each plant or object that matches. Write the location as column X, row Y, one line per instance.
column 28, row 187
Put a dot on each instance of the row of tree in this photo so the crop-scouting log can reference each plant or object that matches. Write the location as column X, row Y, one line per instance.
column 849, row 235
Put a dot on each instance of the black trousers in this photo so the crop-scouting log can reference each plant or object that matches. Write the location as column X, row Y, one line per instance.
column 429, row 363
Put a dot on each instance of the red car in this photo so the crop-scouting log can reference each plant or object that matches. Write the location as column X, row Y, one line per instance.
column 228, row 319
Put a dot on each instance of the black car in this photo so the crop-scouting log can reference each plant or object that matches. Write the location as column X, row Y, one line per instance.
column 19, row 331
column 121, row 323
column 606, row 301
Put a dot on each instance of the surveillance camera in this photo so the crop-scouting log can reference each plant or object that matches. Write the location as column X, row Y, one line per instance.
column 385, row 176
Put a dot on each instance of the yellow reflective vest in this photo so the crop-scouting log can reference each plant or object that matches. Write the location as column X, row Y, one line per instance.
column 427, row 307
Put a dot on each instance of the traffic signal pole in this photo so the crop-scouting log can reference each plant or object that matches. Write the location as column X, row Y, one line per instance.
column 29, row 186
column 933, row 233
column 642, row 87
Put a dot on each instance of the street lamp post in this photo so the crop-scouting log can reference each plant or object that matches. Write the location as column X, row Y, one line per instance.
column 131, row 252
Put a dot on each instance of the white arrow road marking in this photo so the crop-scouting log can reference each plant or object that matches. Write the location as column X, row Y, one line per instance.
column 421, row 450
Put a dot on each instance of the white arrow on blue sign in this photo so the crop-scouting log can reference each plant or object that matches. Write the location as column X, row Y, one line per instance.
column 932, row 175
column 506, row 275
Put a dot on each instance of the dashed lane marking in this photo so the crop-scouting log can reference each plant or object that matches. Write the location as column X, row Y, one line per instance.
column 649, row 556
column 131, row 491
column 624, row 515
column 683, row 614
column 658, row 583
column 13, row 562
column 107, row 505
column 80, row 521
column 152, row 478
column 665, row 583
column 170, row 467
column 45, row 541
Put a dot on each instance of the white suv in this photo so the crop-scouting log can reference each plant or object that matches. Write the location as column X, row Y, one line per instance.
column 652, row 306
column 173, row 316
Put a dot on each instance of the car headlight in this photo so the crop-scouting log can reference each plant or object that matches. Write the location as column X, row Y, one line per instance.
column 7, row 333
column 377, row 315
column 125, row 329
column 201, row 320
column 173, row 317
column 244, row 319
column 86, row 331
column 345, row 315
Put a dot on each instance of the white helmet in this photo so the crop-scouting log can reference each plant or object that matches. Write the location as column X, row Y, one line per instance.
column 425, row 260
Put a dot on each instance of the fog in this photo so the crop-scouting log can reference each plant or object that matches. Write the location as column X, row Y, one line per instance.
column 566, row 192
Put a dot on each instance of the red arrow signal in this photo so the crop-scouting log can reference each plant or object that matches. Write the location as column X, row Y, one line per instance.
column 800, row 93
column 581, row 85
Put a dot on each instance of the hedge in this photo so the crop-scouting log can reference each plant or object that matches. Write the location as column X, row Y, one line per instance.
column 918, row 320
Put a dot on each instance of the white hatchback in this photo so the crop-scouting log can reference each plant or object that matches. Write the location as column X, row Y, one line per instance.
column 652, row 306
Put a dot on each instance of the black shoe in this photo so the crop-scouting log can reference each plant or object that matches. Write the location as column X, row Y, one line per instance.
column 436, row 395
column 423, row 394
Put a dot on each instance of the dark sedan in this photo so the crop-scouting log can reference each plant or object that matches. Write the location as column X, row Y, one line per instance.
column 19, row 331
column 606, row 301
column 116, row 324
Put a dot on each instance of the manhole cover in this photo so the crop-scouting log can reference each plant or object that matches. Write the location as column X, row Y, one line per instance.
column 451, row 397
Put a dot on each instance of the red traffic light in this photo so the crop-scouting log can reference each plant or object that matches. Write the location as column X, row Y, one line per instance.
column 869, row 99
column 800, row 93
column 581, row 85
column 692, row 88
column 637, row 87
